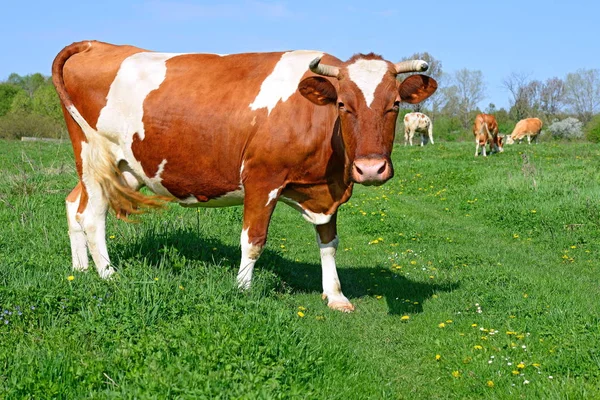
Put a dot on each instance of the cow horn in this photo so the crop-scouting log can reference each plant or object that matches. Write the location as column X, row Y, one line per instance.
column 411, row 66
column 323, row 69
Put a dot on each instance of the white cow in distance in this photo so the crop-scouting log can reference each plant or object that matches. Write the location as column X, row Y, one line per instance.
column 417, row 122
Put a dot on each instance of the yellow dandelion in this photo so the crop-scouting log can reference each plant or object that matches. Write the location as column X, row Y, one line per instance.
column 515, row 236
column 155, row 279
column 413, row 262
column 474, row 325
column 511, row 333
column 520, row 365
column 442, row 325
column 404, row 318
column 478, row 347
column 448, row 321
column 70, row 277
column 301, row 308
column 536, row 365
column 490, row 383
column 181, row 287
column 378, row 297
column 455, row 374
column 300, row 314
column 573, row 247
column 515, row 372
column 438, row 357
column 111, row 237
column 520, row 337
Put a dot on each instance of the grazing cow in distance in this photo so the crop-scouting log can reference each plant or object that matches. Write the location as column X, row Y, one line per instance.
column 210, row 130
column 417, row 122
column 530, row 127
column 485, row 130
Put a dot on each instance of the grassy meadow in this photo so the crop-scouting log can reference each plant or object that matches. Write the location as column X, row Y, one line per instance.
column 471, row 277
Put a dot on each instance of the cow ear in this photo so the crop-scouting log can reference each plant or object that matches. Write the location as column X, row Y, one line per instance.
column 417, row 88
column 318, row 90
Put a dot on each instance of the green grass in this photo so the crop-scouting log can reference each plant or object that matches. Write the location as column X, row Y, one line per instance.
column 516, row 234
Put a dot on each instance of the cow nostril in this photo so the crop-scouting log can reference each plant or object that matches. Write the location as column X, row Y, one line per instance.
column 358, row 170
column 380, row 170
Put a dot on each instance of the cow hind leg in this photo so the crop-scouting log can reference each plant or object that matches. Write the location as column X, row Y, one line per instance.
column 92, row 217
column 332, row 291
column 79, row 254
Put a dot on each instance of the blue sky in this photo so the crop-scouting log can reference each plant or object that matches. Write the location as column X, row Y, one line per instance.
column 540, row 38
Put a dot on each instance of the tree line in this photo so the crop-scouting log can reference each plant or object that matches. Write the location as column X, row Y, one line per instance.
column 569, row 106
column 29, row 106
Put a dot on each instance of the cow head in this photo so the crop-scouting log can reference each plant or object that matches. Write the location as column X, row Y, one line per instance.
column 510, row 140
column 367, row 96
column 500, row 143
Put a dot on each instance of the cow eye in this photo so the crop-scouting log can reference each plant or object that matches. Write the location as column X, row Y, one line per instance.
column 395, row 107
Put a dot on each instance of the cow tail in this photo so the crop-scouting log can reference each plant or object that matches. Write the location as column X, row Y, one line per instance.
column 100, row 166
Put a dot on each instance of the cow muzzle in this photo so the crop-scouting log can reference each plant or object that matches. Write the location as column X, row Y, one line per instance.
column 371, row 171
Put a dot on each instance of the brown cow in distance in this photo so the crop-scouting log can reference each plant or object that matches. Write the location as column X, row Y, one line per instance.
column 210, row 130
column 530, row 127
column 485, row 130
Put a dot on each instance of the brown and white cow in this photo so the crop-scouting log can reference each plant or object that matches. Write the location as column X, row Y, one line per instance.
column 213, row 130
column 485, row 130
column 417, row 122
column 530, row 127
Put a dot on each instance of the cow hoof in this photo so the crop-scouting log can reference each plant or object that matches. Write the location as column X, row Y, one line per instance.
column 341, row 306
column 107, row 273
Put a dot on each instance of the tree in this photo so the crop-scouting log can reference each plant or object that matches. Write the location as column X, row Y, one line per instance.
column 7, row 93
column 582, row 93
column 21, row 103
column 516, row 84
column 551, row 97
column 467, row 91
column 29, row 83
column 46, row 102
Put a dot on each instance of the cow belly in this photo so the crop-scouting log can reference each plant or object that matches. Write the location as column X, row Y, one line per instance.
column 235, row 198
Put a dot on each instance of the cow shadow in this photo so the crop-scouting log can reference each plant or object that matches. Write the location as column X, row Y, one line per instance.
column 402, row 294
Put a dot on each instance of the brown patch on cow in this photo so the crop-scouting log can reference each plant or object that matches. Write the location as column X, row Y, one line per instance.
column 74, row 195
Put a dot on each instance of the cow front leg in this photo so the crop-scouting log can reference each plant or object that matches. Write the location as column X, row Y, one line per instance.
column 257, row 215
column 328, row 242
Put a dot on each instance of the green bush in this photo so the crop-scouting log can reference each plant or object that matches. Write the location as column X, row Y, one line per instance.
column 449, row 129
column 592, row 130
column 17, row 125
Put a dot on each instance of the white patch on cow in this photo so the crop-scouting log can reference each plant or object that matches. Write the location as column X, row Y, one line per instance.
column 312, row 217
column 331, row 282
column 138, row 75
column 250, row 254
column 284, row 80
column 368, row 74
column 273, row 195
